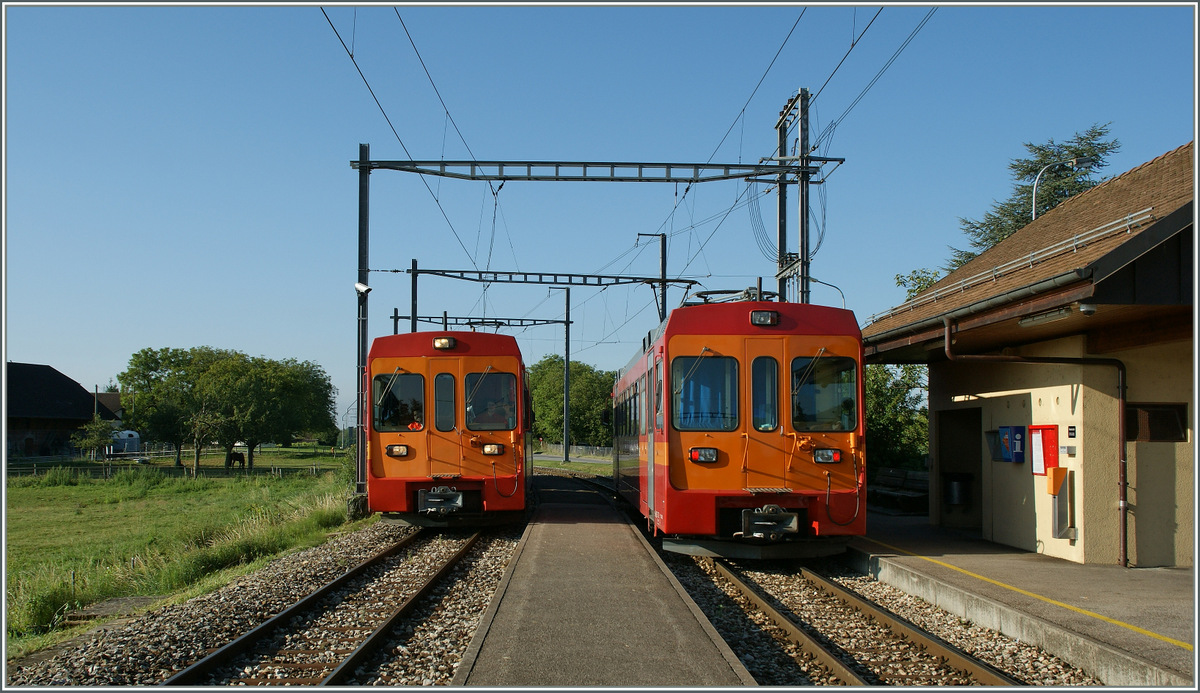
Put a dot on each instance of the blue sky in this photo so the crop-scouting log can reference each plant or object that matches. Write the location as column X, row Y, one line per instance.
column 179, row 176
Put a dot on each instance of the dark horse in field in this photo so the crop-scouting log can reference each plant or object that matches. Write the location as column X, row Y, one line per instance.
column 237, row 457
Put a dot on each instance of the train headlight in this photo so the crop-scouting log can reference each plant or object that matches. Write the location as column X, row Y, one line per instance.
column 764, row 317
column 397, row 451
column 443, row 342
column 702, row 454
column 493, row 449
column 827, row 456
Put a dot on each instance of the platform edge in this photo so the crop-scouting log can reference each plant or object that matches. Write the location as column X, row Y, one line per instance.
column 1111, row 666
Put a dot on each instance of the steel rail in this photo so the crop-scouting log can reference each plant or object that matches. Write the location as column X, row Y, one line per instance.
column 373, row 641
column 952, row 656
column 192, row 674
column 823, row 655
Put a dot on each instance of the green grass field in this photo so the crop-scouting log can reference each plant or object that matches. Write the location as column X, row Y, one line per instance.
column 72, row 541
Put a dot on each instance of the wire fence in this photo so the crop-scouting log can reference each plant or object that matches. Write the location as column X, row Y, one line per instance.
column 212, row 465
column 602, row 453
column 108, row 471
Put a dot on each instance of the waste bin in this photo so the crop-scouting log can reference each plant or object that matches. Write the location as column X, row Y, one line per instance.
column 956, row 488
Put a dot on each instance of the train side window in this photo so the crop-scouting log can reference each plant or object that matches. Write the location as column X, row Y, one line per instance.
column 399, row 402
column 491, row 401
column 639, row 403
column 443, row 402
column 705, row 391
column 824, row 393
column 764, row 393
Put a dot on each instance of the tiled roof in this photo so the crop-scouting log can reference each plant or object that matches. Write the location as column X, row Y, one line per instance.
column 41, row 392
column 112, row 400
column 1069, row 237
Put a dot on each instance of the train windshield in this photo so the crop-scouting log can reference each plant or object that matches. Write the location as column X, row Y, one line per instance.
column 491, row 401
column 824, row 393
column 705, row 391
column 399, row 402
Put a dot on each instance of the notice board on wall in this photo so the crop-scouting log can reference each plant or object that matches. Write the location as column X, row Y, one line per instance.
column 1043, row 448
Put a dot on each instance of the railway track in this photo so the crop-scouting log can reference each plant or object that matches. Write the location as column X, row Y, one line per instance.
column 323, row 638
column 824, row 633
column 856, row 642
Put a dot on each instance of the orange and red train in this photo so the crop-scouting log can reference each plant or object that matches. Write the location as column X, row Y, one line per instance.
column 447, row 441
column 739, row 429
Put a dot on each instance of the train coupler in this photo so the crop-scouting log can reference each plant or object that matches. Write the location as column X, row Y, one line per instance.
column 439, row 500
column 769, row 522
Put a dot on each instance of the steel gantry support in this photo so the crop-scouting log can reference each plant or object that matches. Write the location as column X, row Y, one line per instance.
column 588, row 171
column 557, row 281
column 362, row 289
column 769, row 171
column 447, row 321
column 551, row 278
column 797, row 263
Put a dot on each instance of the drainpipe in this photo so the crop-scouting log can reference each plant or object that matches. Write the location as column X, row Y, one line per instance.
column 1122, row 462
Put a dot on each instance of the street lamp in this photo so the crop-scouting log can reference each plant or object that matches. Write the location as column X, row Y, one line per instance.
column 1076, row 163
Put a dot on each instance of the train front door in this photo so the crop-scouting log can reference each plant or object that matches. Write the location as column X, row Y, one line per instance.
column 765, row 459
column 442, row 429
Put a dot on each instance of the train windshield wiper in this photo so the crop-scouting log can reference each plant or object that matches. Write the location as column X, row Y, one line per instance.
column 695, row 364
column 478, row 384
column 808, row 371
column 388, row 389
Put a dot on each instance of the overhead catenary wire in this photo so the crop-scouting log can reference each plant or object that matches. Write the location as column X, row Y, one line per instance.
column 679, row 199
column 397, row 134
column 446, row 109
column 833, row 125
column 853, row 43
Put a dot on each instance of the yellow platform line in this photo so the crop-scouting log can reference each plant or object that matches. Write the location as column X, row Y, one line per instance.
column 1027, row 593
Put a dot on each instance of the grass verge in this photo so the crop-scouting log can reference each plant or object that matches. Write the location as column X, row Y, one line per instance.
column 73, row 541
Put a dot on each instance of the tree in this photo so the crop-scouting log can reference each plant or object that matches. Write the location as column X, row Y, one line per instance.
column 93, row 436
column 204, row 394
column 203, row 404
column 292, row 397
column 1057, row 183
column 916, row 281
column 156, row 383
column 591, row 401
column 897, row 415
column 229, row 383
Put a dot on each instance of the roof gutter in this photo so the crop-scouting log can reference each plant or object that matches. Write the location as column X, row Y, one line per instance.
column 1057, row 282
column 1122, row 462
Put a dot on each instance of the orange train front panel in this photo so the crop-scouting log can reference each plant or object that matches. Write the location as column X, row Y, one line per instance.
column 761, row 422
column 445, row 427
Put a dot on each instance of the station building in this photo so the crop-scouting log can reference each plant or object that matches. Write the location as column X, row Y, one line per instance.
column 1061, row 381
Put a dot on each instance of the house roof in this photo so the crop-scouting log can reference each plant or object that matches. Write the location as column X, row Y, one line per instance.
column 1056, row 259
column 36, row 391
column 112, row 400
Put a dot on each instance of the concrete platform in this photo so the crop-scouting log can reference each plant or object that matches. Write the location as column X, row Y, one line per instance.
column 1125, row 626
column 586, row 602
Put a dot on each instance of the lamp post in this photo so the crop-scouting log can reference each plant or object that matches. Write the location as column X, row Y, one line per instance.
column 1076, row 163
